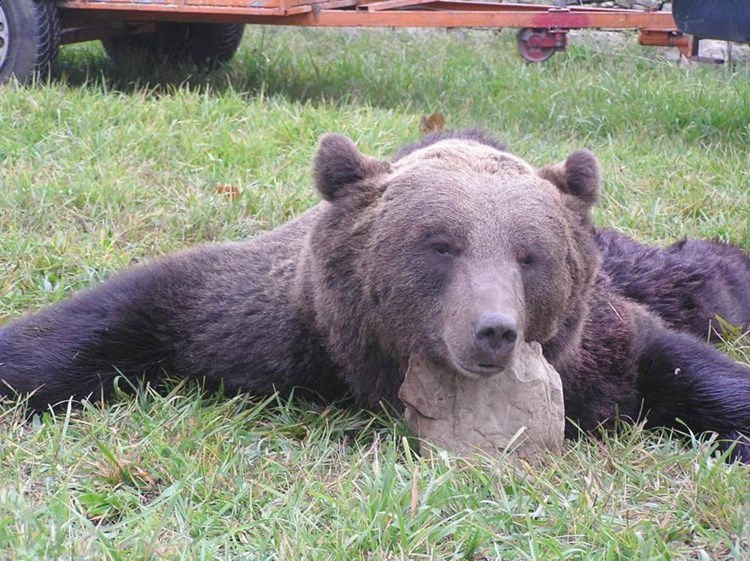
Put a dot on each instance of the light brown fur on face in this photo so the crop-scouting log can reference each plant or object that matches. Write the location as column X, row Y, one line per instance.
column 465, row 156
column 450, row 242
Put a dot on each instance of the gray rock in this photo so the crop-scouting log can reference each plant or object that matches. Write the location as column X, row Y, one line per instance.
column 519, row 410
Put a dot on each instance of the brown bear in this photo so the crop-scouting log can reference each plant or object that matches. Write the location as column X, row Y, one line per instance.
column 454, row 249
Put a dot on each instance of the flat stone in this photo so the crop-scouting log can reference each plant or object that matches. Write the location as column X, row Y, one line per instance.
column 520, row 410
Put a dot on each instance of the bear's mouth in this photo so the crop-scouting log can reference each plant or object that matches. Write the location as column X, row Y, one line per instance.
column 474, row 367
column 480, row 370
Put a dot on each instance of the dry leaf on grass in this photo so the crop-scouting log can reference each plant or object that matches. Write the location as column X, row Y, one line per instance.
column 431, row 123
column 229, row 191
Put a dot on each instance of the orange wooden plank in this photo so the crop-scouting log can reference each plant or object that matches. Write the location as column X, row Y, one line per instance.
column 128, row 10
column 479, row 5
column 334, row 4
column 273, row 13
column 258, row 4
column 393, row 4
column 424, row 18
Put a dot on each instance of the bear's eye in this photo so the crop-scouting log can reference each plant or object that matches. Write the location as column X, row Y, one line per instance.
column 443, row 248
column 527, row 259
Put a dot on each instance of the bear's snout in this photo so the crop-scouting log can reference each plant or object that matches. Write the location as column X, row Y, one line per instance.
column 483, row 319
column 495, row 335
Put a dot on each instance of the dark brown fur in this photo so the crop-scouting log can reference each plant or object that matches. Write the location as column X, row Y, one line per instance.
column 453, row 249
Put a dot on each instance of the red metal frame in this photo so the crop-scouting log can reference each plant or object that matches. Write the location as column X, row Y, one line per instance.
column 657, row 28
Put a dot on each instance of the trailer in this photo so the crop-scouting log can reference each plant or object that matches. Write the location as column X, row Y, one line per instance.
column 210, row 31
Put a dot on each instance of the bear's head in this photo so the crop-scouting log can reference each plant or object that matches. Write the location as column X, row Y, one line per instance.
column 455, row 249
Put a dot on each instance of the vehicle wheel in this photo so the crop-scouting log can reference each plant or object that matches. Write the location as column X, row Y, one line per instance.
column 528, row 40
column 29, row 38
column 197, row 43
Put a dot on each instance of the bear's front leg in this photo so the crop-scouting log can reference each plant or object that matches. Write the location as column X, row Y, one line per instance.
column 686, row 383
column 78, row 347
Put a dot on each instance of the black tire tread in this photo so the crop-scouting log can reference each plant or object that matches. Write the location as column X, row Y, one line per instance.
column 49, row 34
column 196, row 43
column 34, row 38
column 228, row 40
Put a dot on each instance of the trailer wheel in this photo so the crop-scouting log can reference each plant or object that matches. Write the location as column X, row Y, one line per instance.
column 528, row 40
column 196, row 43
column 29, row 38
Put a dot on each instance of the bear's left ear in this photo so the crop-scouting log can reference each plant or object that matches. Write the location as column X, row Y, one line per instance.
column 578, row 175
column 338, row 164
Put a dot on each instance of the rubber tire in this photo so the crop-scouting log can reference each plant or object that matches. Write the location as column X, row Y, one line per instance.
column 33, row 38
column 195, row 43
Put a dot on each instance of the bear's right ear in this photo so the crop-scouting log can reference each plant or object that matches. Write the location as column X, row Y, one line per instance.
column 578, row 175
column 338, row 163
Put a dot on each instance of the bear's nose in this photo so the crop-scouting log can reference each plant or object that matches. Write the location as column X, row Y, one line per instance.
column 496, row 333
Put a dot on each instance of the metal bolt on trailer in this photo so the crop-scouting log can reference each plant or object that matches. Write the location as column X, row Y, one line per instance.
column 209, row 31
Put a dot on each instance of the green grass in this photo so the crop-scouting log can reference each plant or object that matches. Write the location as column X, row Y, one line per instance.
column 105, row 166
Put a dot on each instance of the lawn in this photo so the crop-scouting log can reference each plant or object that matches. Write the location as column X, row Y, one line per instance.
column 102, row 167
